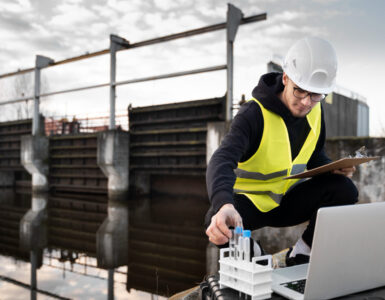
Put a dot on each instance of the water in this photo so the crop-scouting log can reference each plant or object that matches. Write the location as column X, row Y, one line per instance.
column 165, row 257
column 62, row 279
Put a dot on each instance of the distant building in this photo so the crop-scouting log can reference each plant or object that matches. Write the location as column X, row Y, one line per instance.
column 346, row 112
column 273, row 67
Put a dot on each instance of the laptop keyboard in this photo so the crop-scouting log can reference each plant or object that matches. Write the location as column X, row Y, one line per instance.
column 298, row 285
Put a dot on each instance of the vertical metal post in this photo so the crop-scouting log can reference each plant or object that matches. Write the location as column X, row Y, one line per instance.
column 36, row 100
column 41, row 62
column 33, row 259
column 112, row 83
column 234, row 17
column 111, row 284
column 116, row 43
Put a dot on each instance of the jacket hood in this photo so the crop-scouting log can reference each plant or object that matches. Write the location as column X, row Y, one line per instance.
column 269, row 87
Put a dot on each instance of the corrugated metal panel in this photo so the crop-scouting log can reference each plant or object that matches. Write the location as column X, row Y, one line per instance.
column 171, row 138
column 342, row 115
column 78, row 193
column 10, row 134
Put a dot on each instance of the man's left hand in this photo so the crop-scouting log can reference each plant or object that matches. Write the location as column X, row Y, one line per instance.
column 348, row 172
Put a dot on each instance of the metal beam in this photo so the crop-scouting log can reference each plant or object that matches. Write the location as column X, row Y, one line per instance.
column 116, row 43
column 135, row 80
column 170, row 75
column 16, row 100
column 234, row 17
column 41, row 62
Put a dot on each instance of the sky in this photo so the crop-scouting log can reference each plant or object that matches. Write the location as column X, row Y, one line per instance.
column 65, row 28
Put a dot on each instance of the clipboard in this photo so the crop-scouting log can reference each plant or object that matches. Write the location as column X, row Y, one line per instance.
column 338, row 164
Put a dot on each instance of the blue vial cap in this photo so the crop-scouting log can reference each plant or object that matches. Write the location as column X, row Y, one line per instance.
column 246, row 233
column 238, row 229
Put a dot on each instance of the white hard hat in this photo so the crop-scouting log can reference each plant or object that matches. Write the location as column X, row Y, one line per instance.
column 311, row 63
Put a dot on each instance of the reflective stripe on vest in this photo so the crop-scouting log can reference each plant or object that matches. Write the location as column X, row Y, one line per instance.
column 260, row 178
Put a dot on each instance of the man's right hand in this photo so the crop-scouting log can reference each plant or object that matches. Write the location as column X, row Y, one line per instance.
column 218, row 231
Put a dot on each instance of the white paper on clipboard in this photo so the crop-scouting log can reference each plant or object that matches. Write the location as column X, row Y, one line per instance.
column 338, row 164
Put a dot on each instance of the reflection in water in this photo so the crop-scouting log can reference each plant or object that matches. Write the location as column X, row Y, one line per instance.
column 166, row 250
column 62, row 280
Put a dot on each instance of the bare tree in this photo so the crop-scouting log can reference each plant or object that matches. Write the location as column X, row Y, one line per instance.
column 20, row 86
column 23, row 86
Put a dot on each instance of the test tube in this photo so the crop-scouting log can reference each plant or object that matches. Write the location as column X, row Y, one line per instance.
column 241, row 248
column 232, row 243
column 238, row 234
column 246, row 244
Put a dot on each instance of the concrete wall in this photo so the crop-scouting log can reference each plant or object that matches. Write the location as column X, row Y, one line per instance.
column 369, row 179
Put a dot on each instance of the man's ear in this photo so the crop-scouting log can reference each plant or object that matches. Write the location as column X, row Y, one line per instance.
column 285, row 79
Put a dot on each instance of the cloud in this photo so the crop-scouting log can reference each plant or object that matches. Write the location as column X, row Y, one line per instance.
column 19, row 6
column 67, row 19
column 288, row 15
column 11, row 21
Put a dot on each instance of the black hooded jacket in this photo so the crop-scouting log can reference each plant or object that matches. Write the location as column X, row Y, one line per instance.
column 245, row 135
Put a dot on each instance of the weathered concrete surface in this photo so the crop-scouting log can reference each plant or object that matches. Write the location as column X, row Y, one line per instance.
column 370, row 177
column 113, row 160
column 34, row 158
column 112, row 236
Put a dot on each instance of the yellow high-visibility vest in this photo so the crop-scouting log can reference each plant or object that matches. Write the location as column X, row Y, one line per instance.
column 260, row 178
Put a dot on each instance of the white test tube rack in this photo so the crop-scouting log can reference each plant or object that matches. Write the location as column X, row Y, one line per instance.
column 247, row 277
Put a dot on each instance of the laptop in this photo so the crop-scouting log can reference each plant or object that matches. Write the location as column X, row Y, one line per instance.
column 348, row 255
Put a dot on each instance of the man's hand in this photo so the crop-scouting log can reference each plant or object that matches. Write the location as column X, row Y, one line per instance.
column 348, row 172
column 218, row 231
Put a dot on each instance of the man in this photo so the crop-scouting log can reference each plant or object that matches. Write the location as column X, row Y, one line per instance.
column 280, row 132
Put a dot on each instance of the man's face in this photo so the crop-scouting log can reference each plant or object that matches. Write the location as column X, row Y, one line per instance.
column 298, row 107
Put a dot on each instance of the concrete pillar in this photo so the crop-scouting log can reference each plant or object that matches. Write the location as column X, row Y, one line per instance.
column 34, row 158
column 112, row 236
column 215, row 134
